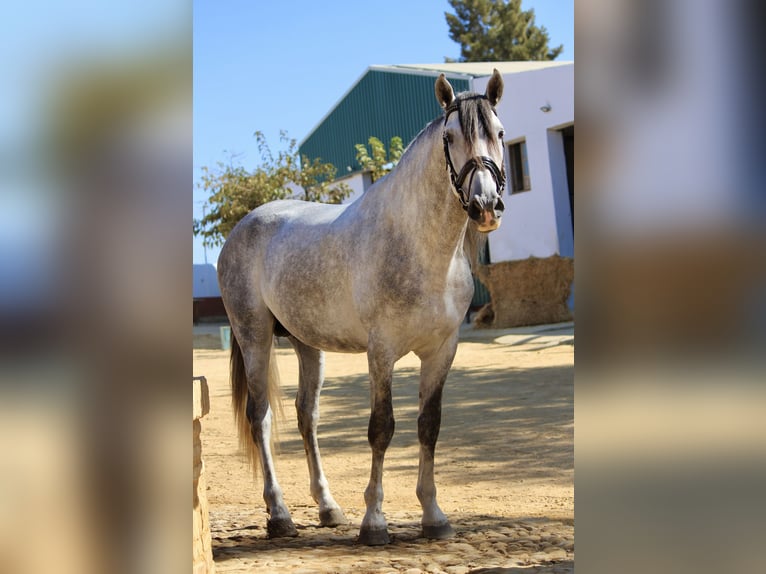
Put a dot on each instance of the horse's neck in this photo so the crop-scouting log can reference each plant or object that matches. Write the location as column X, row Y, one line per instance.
column 415, row 199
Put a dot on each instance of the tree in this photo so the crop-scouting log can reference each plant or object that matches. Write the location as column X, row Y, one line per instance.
column 496, row 31
column 375, row 160
column 235, row 191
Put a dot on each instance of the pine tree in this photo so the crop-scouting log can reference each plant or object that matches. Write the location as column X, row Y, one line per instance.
column 496, row 31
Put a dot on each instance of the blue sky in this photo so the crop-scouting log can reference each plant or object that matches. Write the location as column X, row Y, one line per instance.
column 271, row 66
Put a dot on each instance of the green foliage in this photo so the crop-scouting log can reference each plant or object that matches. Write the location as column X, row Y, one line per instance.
column 235, row 191
column 497, row 31
column 375, row 160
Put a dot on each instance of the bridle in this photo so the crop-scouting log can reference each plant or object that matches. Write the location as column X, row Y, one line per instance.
column 470, row 167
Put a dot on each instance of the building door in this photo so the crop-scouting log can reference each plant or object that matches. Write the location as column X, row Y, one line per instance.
column 568, row 135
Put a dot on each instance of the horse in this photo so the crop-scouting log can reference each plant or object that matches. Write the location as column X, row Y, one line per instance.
column 387, row 274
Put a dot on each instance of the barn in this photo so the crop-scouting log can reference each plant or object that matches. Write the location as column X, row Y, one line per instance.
column 207, row 302
column 531, row 255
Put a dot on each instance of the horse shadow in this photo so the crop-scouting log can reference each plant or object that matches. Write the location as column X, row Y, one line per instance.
column 519, row 419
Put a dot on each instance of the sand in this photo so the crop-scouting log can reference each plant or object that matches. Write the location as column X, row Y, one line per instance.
column 504, row 464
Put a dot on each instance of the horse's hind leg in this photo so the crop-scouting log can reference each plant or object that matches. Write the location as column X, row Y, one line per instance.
column 433, row 374
column 256, row 352
column 311, row 379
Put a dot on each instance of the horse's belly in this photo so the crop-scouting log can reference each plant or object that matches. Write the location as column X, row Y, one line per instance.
column 318, row 319
column 325, row 335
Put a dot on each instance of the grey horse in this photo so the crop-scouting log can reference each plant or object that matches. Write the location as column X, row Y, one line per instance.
column 386, row 275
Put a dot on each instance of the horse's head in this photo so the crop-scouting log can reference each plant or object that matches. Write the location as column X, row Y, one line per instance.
column 473, row 148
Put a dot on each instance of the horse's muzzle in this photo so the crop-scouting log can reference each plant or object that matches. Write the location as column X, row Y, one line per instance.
column 488, row 221
column 487, row 217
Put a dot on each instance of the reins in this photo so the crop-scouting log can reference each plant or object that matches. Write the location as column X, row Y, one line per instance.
column 470, row 167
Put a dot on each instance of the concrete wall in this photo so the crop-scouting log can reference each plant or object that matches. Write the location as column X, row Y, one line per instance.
column 536, row 222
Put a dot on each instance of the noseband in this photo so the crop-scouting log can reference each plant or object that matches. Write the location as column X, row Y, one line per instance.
column 470, row 167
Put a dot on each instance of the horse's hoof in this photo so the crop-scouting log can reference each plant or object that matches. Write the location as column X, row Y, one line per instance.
column 281, row 528
column 438, row 531
column 332, row 517
column 373, row 537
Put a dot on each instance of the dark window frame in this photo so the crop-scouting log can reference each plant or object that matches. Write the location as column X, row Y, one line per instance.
column 518, row 167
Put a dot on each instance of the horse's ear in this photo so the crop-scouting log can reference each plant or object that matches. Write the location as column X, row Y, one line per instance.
column 494, row 88
column 444, row 94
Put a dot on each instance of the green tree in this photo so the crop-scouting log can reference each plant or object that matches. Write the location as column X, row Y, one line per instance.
column 375, row 160
column 234, row 191
column 497, row 31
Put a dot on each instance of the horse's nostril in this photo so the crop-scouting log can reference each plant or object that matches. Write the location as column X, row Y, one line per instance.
column 474, row 208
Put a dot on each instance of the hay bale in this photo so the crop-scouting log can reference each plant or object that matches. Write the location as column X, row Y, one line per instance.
column 484, row 317
column 532, row 291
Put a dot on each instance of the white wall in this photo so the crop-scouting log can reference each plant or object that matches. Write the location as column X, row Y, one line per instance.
column 357, row 182
column 205, row 281
column 533, row 223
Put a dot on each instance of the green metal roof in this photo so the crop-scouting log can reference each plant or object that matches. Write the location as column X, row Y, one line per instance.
column 384, row 103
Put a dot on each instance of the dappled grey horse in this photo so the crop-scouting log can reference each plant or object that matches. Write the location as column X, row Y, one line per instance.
column 386, row 274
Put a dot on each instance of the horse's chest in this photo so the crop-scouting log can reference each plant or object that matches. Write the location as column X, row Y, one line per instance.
column 421, row 294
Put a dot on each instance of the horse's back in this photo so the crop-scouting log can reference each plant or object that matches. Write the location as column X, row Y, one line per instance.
column 297, row 211
column 292, row 257
column 252, row 234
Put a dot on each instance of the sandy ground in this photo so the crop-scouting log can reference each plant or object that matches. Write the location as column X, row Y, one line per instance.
column 504, row 466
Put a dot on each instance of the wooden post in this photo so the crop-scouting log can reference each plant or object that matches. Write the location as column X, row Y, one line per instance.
column 202, row 552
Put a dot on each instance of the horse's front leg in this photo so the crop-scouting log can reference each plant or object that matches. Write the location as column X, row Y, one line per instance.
column 433, row 373
column 374, row 529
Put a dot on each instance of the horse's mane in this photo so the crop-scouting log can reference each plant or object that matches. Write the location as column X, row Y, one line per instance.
column 474, row 115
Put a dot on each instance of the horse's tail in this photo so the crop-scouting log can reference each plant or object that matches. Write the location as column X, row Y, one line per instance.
column 239, row 400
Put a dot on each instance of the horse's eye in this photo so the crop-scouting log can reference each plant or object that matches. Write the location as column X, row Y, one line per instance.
column 501, row 134
column 448, row 137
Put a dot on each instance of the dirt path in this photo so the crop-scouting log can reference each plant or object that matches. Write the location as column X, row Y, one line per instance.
column 505, row 465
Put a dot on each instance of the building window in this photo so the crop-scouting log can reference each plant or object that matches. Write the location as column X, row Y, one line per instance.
column 518, row 167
